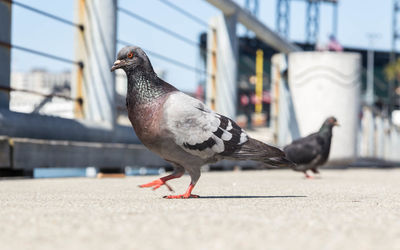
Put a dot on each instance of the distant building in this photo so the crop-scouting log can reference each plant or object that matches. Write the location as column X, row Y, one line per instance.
column 44, row 82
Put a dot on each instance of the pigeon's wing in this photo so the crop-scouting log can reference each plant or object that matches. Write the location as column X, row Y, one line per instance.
column 304, row 150
column 199, row 130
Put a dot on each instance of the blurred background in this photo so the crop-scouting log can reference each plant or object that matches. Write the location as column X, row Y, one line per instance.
column 279, row 67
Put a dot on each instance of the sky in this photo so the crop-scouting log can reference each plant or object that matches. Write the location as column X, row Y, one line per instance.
column 357, row 19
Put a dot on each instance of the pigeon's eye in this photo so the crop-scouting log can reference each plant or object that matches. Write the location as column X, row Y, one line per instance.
column 130, row 55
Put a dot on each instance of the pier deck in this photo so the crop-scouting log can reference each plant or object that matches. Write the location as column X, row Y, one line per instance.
column 276, row 209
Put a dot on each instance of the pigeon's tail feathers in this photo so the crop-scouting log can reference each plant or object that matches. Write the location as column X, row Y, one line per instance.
column 276, row 162
column 258, row 151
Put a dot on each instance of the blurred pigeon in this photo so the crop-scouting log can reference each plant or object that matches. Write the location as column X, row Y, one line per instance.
column 181, row 129
column 312, row 151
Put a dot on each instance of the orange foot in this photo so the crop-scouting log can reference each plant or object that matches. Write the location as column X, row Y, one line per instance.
column 156, row 184
column 181, row 196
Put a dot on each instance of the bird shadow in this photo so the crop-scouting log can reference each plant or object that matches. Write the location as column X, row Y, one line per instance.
column 251, row 196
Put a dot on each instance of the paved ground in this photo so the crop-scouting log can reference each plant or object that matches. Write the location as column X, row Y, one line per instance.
column 346, row 209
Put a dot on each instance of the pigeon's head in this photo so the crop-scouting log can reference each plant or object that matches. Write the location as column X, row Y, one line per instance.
column 130, row 58
column 331, row 122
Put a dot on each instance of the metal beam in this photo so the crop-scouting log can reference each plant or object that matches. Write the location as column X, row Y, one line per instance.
column 14, row 124
column 228, row 7
column 32, row 153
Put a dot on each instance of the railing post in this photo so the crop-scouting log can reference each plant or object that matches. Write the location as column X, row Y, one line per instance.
column 5, row 52
column 259, row 79
column 211, row 87
column 283, row 117
column 95, row 47
column 224, row 87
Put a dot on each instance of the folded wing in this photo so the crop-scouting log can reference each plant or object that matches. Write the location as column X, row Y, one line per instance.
column 199, row 130
column 304, row 150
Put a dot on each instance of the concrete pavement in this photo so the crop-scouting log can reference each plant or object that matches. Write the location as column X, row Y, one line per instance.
column 276, row 209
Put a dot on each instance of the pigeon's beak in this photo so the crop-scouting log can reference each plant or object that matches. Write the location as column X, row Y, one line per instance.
column 117, row 65
column 336, row 124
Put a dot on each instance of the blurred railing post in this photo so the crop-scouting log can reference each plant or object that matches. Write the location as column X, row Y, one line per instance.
column 95, row 47
column 379, row 137
column 387, row 133
column 5, row 36
column 259, row 77
column 211, row 88
column 224, row 87
column 283, row 118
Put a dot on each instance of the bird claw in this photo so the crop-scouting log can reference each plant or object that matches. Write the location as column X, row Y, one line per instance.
column 169, row 187
column 181, row 196
column 156, row 184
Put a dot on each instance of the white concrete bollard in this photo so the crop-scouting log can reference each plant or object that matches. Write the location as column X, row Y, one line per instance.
column 324, row 84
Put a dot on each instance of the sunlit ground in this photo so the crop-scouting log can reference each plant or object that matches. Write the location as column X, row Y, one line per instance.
column 276, row 209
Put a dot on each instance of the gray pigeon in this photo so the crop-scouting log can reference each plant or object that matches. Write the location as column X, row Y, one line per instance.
column 312, row 151
column 181, row 129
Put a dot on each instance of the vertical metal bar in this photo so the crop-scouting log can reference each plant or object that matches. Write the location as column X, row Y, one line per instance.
column 96, row 47
column 308, row 21
column 213, row 69
column 5, row 52
column 282, row 18
column 259, row 79
column 78, row 106
column 211, row 64
column 227, row 47
column 222, row 64
column 370, row 77
column 78, row 86
column 335, row 20
column 395, row 37
column 276, row 101
column 312, row 24
column 370, row 69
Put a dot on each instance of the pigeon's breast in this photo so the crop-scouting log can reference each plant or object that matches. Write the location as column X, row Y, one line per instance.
column 145, row 119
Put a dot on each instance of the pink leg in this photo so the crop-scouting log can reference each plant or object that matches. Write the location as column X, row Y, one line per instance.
column 307, row 175
column 162, row 181
column 186, row 195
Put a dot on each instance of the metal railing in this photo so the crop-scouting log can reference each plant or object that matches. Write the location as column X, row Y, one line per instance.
column 80, row 64
column 41, row 53
column 9, row 89
column 46, row 14
column 169, row 60
column 171, row 33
